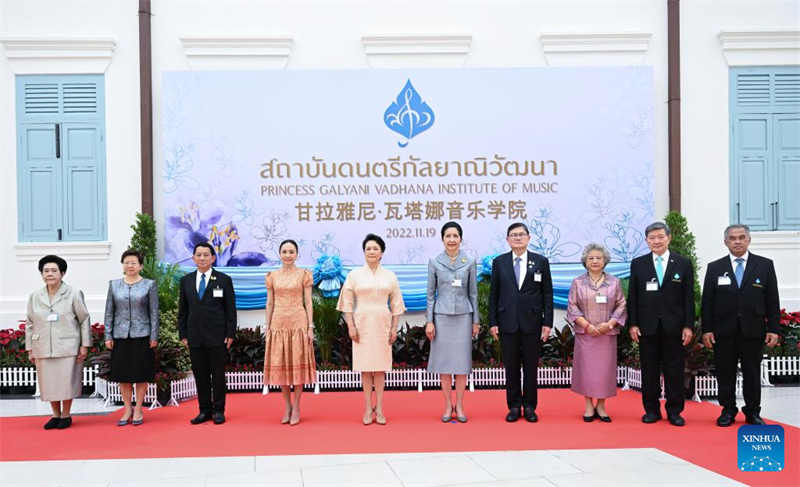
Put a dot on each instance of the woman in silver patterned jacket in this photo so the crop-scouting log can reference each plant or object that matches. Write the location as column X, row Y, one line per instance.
column 131, row 333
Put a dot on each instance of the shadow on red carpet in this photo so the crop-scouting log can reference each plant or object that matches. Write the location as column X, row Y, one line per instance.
column 331, row 424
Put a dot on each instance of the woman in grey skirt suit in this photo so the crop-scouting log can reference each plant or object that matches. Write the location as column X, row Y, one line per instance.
column 131, row 333
column 453, row 319
column 57, row 339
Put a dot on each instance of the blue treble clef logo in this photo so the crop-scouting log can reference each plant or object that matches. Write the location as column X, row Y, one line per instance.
column 408, row 115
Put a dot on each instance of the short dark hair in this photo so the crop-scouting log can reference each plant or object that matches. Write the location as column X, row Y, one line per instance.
column 289, row 241
column 452, row 225
column 53, row 259
column 206, row 245
column 374, row 238
column 657, row 226
column 133, row 252
column 517, row 225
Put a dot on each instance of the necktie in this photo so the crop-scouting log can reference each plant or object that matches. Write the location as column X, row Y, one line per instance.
column 516, row 268
column 659, row 269
column 739, row 271
column 202, row 289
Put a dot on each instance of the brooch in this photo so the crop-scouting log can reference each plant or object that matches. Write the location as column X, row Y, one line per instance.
column 463, row 260
column 676, row 276
column 758, row 281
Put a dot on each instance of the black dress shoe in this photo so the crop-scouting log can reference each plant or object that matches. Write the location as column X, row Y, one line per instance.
column 219, row 418
column 530, row 415
column 200, row 418
column 753, row 419
column 513, row 415
column 651, row 418
column 64, row 423
column 726, row 419
column 605, row 419
column 52, row 424
column 676, row 420
column 589, row 419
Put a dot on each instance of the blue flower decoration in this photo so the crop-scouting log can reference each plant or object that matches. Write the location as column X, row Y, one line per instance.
column 329, row 275
column 485, row 269
column 758, row 281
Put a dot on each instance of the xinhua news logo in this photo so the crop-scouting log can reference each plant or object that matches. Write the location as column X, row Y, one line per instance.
column 761, row 448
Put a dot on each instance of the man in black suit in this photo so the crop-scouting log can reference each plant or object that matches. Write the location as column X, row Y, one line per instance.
column 661, row 317
column 206, row 324
column 740, row 307
column 521, row 313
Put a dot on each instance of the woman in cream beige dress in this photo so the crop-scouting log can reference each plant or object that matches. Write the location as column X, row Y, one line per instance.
column 289, row 351
column 57, row 339
column 372, row 304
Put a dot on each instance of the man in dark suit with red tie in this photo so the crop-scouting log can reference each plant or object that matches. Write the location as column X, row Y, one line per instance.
column 521, row 314
column 207, row 324
column 661, row 319
column 740, row 314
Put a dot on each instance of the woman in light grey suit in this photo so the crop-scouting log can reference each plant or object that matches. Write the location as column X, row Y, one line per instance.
column 453, row 319
column 131, row 333
column 57, row 339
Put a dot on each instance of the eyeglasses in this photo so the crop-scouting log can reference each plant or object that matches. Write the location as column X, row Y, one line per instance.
column 517, row 235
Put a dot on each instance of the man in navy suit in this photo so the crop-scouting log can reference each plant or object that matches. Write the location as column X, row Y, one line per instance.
column 207, row 324
column 661, row 320
column 521, row 314
column 740, row 314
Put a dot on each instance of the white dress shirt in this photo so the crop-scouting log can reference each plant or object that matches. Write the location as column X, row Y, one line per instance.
column 198, row 277
column 744, row 264
column 523, row 266
column 664, row 261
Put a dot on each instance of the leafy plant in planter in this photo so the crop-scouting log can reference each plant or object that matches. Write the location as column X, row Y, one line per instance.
column 699, row 359
column 144, row 236
column 247, row 350
column 412, row 348
column 559, row 348
column 328, row 322
column 12, row 347
column 486, row 350
column 789, row 344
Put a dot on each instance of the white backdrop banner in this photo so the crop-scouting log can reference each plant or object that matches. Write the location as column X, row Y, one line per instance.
column 324, row 157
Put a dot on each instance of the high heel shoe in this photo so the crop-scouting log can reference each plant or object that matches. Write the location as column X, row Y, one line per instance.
column 447, row 417
column 605, row 419
column 367, row 419
column 380, row 418
column 295, row 421
column 287, row 416
column 459, row 418
column 590, row 418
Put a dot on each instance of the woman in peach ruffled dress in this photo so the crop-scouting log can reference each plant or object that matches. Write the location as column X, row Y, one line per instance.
column 289, row 352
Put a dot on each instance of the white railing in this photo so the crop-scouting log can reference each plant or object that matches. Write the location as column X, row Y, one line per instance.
column 707, row 386
column 26, row 376
column 783, row 365
column 110, row 392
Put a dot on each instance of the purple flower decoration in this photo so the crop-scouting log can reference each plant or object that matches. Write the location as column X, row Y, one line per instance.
column 224, row 241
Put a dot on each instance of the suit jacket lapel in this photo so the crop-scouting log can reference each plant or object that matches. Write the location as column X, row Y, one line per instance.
column 749, row 270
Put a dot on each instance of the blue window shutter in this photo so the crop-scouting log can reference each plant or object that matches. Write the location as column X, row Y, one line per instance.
column 752, row 134
column 39, row 191
column 787, row 160
column 765, row 147
column 82, row 182
column 62, row 190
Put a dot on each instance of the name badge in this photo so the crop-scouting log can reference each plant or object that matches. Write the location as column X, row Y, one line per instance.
column 537, row 277
column 723, row 281
column 456, row 283
column 217, row 292
column 652, row 286
column 601, row 299
column 52, row 317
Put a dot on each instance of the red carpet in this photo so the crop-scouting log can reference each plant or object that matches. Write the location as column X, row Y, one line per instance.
column 332, row 424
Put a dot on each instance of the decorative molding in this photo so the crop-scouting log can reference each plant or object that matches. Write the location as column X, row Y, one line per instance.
column 413, row 50
column 760, row 47
column 58, row 54
column 32, row 251
column 609, row 48
column 780, row 240
column 218, row 52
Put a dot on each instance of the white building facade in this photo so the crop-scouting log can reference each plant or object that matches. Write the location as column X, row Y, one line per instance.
column 99, row 40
